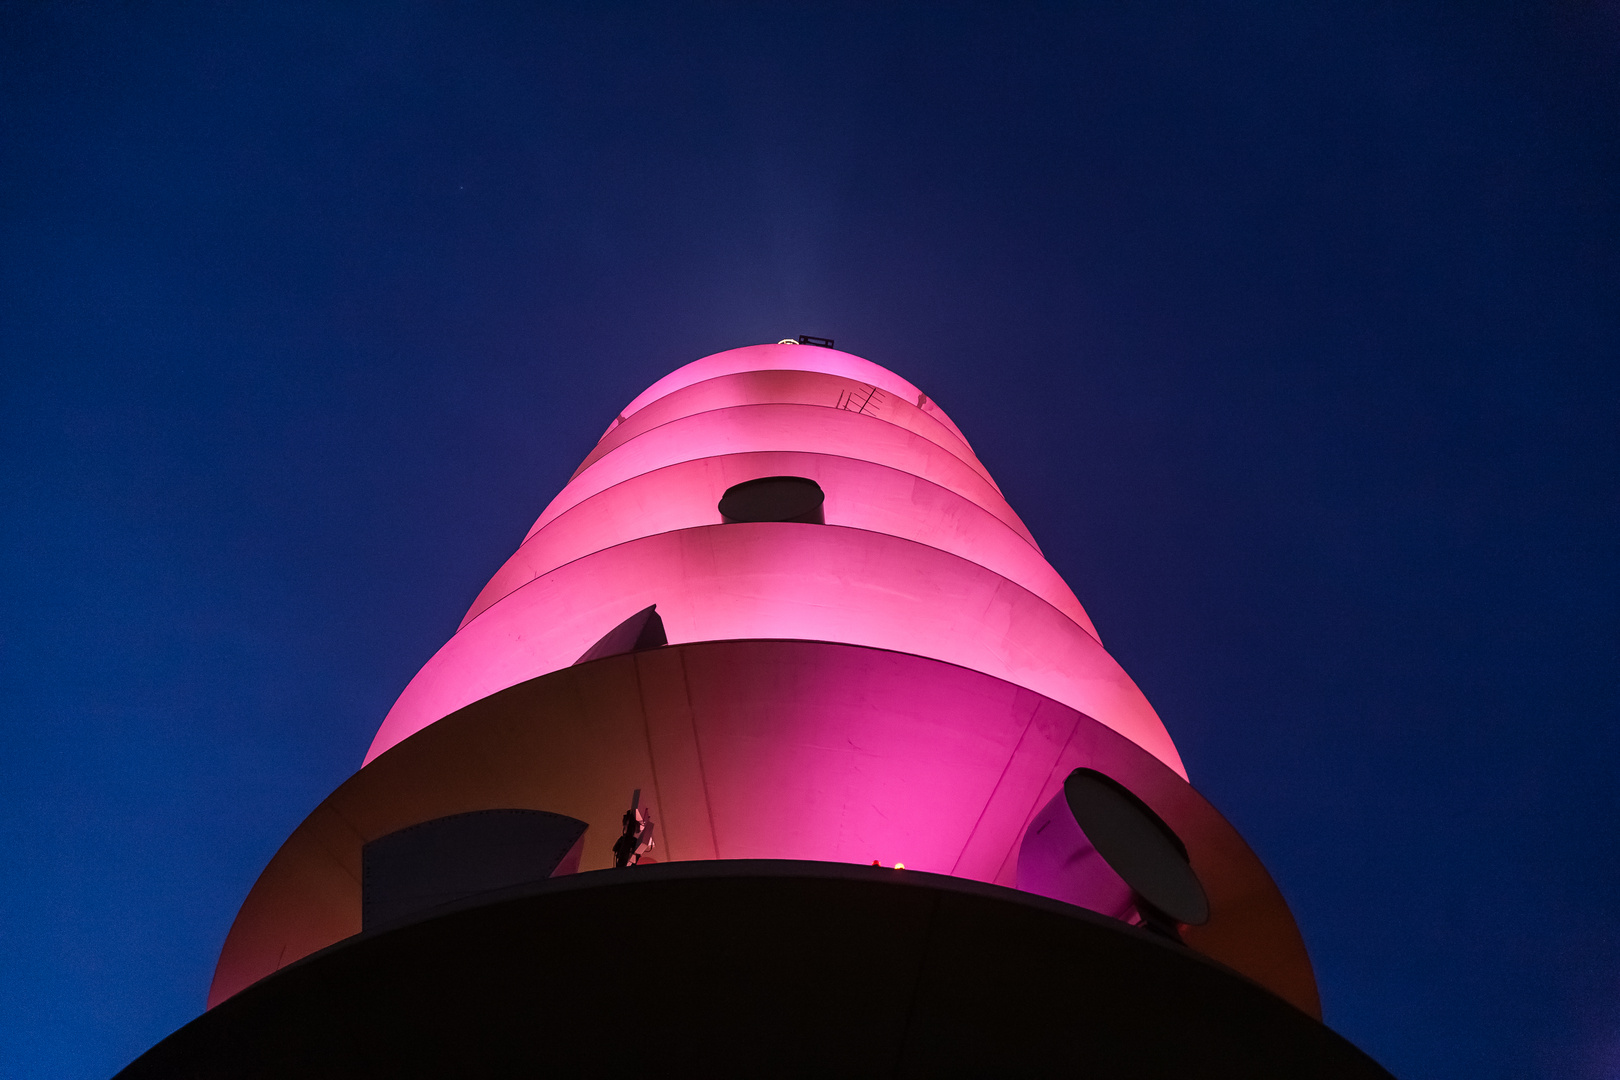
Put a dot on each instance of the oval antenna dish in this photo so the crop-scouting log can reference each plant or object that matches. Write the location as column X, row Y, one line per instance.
column 1137, row 845
column 773, row 498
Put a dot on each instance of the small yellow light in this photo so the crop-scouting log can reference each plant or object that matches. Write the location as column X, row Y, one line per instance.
column 899, row 866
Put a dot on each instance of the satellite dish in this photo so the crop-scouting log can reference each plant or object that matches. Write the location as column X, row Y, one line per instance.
column 773, row 498
column 1137, row 845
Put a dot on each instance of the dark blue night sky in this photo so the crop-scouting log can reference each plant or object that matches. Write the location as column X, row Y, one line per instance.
column 1291, row 330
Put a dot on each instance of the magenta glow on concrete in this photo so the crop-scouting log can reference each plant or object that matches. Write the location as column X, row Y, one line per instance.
column 859, row 494
column 789, row 358
column 760, row 749
column 908, row 682
column 786, row 388
column 814, row 582
column 802, row 428
column 921, row 552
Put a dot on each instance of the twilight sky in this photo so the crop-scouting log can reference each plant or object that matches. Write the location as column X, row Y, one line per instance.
column 1291, row 330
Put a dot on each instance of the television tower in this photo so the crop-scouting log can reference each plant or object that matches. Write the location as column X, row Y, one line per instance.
column 778, row 748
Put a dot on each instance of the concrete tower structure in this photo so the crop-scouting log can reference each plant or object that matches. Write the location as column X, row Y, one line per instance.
column 777, row 746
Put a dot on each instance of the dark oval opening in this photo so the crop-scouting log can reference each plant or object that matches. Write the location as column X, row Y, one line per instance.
column 1137, row 843
column 773, row 498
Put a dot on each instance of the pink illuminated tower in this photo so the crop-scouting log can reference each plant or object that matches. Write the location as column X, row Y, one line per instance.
column 776, row 747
